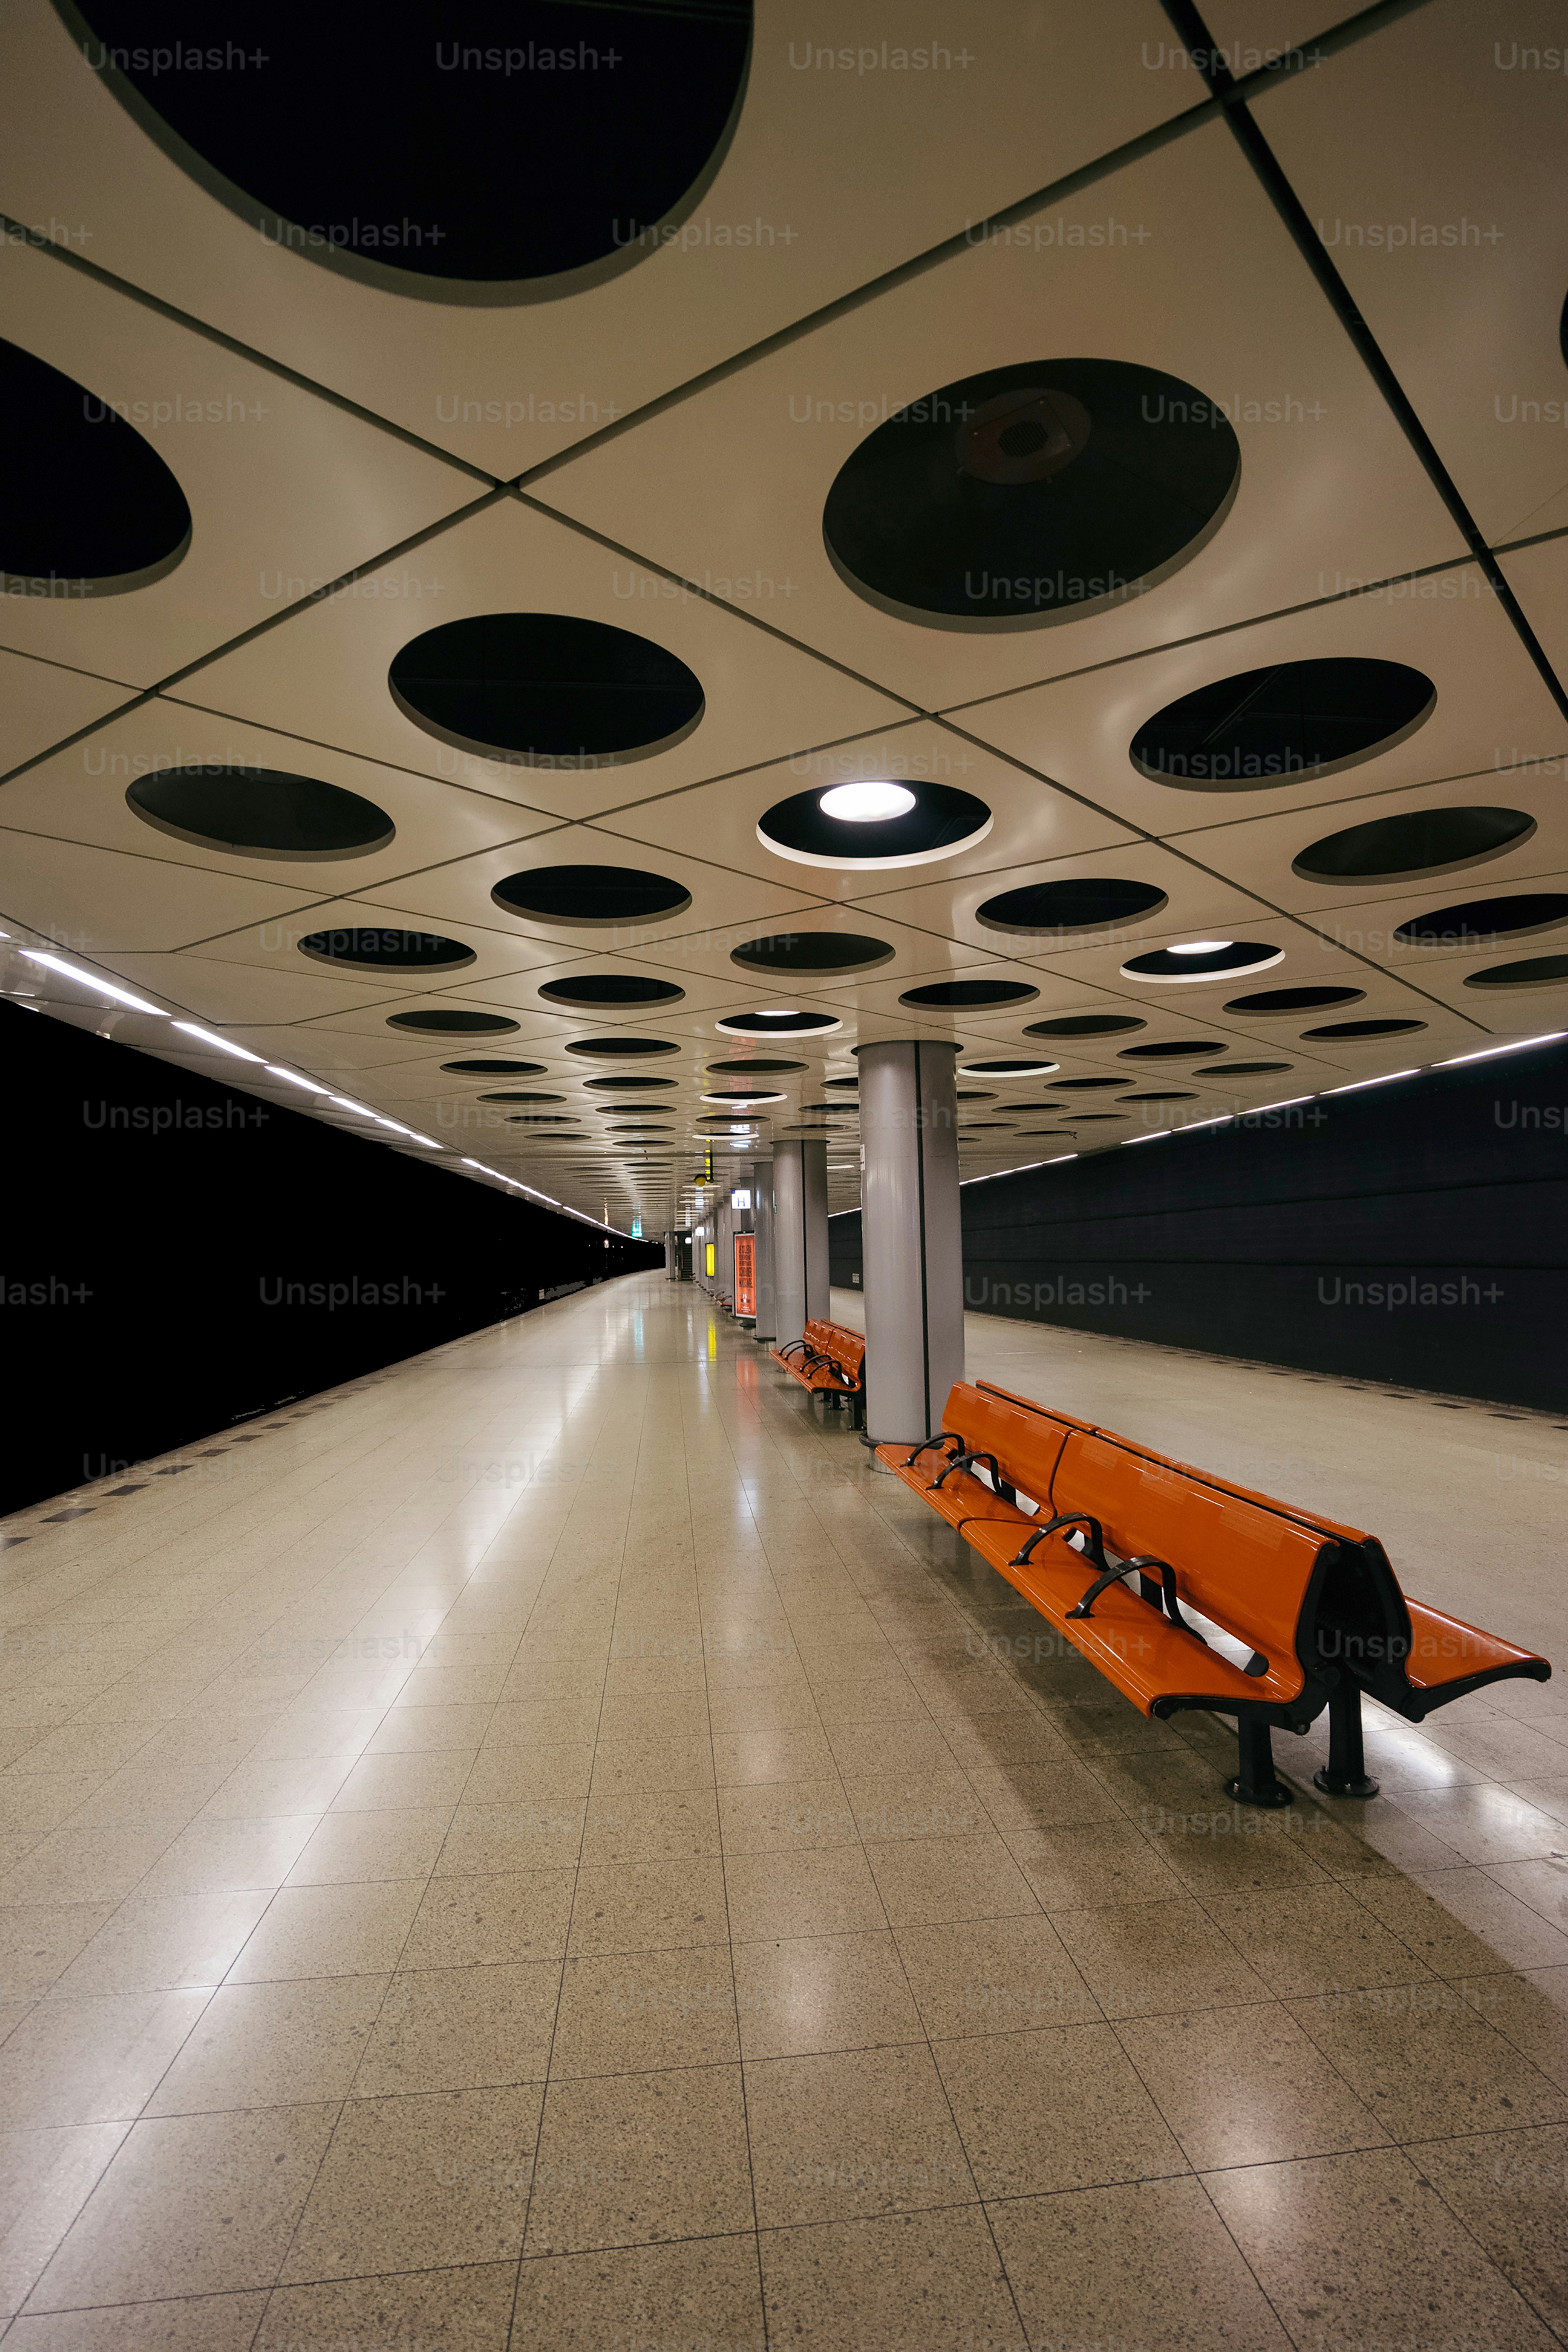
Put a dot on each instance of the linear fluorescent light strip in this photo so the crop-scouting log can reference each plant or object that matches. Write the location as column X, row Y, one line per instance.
column 92, row 980
column 1552, row 1037
column 1386, row 1080
column 206, row 1038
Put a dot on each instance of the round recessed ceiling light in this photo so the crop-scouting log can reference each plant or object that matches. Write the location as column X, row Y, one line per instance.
column 959, row 995
column 625, row 1084
column 1531, row 971
column 756, row 1067
column 514, row 1098
column 1097, row 904
column 1405, row 848
column 1016, row 1067
column 743, row 1102
column 868, row 803
column 622, row 1048
column 1240, row 1070
column 840, row 1082
column 1031, row 494
column 1162, row 1094
column 778, row 1025
column 1084, row 1086
column 93, row 511
column 581, row 895
column 610, row 988
column 259, row 813
column 1270, row 1001
column 493, row 1070
column 453, row 1024
column 814, row 951
column 368, row 949
column 1171, row 1049
column 1350, row 1029
column 1205, row 960
column 939, row 823
column 1282, row 724
column 1085, row 1024
column 546, row 689
column 1480, row 922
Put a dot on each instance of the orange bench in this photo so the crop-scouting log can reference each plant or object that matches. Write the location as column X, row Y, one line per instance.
column 829, row 1359
column 1108, row 1540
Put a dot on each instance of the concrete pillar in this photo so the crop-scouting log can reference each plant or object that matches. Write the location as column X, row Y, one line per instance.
column 762, row 1226
column 911, row 1236
column 724, row 1246
column 800, row 1236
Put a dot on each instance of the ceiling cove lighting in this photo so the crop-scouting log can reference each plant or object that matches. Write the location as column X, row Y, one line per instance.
column 292, row 1077
column 92, row 980
column 1388, row 1079
column 1203, row 947
column 240, row 1053
column 1552, row 1037
column 868, row 804
column 1156, row 1138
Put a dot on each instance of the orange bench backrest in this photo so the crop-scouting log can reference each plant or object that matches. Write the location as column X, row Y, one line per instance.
column 1026, row 1444
column 1246, row 1567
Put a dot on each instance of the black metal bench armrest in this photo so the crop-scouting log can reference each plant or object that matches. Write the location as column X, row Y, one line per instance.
column 1144, row 1561
column 940, row 1438
column 962, row 1461
column 1096, row 1546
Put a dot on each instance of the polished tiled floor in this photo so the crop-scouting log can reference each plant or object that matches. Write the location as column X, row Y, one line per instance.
column 550, row 1846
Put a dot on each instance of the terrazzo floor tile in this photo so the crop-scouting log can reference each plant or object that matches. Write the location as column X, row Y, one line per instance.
column 1056, row 2108
column 705, row 2292
column 631, row 2159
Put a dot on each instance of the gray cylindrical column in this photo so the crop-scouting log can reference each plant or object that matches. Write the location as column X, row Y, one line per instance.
column 800, row 1236
column 766, row 1327
column 911, row 1236
column 724, row 1255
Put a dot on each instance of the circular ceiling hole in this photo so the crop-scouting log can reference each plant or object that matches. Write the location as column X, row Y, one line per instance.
column 820, row 951
column 941, row 822
column 1095, row 904
column 1083, row 1086
column 1281, row 724
column 1018, row 1067
column 611, row 988
column 758, row 1067
column 985, row 1127
column 1478, row 922
column 742, row 1101
column 1241, row 1069
column 1162, row 1094
column 1030, row 494
column 1093, row 1117
column 1531, row 971
column 625, row 1048
column 386, row 950
column 1172, row 1049
column 777, row 1025
column 93, row 510
column 259, row 813
column 557, row 149
column 1085, row 1024
column 1407, row 848
column 623, row 1085
column 523, row 1098
column 1294, row 999
column 838, row 1082
column 960, row 994
column 545, row 688
column 1203, row 962
column 1350, row 1029
column 452, row 1025
column 590, row 894
column 537, row 1118
column 495, row 1070
column 965, row 1094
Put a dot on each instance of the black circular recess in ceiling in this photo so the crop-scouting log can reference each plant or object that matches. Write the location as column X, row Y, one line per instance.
column 495, row 1070
column 611, row 988
column 1240, row 1070
column 985, row 1127
column 363, row 949
column 259, row 812
column 1082, row 1086
column 90, row 508
column 1030, row 493
column 1294, row 999
column 1531, row 971
column 777, row 1025
column 964, row 1093
column 623, row 1048
column 959, row 993
column 762, row 1069
column 840, row 1082
column 514, row 1096
column 1405, row 848
column 1479, row 921
column 545, row 688
column 590, row 894
column 1015, row 1068
column 1171, row 1049
column 623, row 1085
column 1235, row 956
column 541, row 1119
column 452, row 1025
column 1282, row 723
column 943, row 819
column 1163, row 1094
column 512, row 143
column 1093, row 1117
column 811, row 952
column 1090, row 905
column 1085, row 1024
column 1364, row 1029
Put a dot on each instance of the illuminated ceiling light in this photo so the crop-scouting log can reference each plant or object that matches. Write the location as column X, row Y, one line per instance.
column 104, row 987
column 1202, row 947
column 741, row 1102
column 274, row 1070
column 205, row 1035
column 1388, row 1079
column 867, row 803
column 1517, row 1046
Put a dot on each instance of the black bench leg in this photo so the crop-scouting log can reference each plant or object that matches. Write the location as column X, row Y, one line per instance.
column 1345, row 1773
column 1255, row 1784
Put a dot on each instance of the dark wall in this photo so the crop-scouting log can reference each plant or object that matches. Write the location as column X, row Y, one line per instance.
column 178, row 1257
column 1416, row 1234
